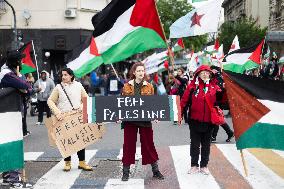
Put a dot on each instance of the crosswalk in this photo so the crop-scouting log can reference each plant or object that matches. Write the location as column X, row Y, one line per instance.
column 225, row 166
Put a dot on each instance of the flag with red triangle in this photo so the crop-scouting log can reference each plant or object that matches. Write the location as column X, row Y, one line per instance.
column 179, row 45
column 216, row 45
column 244, row 59
column 27, row 63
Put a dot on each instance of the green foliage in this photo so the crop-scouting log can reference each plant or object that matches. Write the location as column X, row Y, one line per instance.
column 170, row 11
column 247, row 30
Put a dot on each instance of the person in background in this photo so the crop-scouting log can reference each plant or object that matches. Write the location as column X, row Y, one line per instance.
column 113, row 85
column 43, row 88
column 222, row 103
column 59, row 104
column 10, row 77
column 199, row 115
column 178, row 88
column 139, row 86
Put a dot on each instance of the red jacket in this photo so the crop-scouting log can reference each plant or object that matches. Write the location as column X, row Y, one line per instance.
column 199, row 109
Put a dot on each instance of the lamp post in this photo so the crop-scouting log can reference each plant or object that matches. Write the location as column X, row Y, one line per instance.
column 15, row 40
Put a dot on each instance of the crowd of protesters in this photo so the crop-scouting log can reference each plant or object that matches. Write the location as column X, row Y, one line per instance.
column 192, row 87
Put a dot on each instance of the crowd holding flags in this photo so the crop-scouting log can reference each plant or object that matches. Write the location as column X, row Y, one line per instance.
column 122, row 29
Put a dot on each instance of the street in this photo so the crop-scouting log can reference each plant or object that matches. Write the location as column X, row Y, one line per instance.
column 44, row 164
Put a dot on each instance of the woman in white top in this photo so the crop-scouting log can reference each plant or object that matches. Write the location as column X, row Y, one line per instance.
column 59, row 103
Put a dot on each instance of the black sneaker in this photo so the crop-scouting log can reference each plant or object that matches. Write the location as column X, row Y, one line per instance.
column 27, row 134
column 158, row 175
column 125, row 177
column 230, row 137
column 125, row 172
column 213, row 139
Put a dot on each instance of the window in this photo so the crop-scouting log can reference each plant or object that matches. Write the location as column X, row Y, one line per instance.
column 278, row 9
column 2, row 6
column 71, row 4
column 93, row 4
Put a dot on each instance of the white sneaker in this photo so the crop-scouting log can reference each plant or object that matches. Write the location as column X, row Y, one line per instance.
column 204, row 171
column 193, row 170
column 39, row 123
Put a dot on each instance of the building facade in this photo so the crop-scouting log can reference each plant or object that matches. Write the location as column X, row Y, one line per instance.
column 56, row 27
column 257, row 9
column 275, row 34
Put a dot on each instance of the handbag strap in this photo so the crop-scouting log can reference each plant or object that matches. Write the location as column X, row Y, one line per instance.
column 67, row 96
column 208, row 102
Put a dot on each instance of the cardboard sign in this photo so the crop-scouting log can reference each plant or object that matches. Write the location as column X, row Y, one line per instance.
column 72, row 135
column 131, row 108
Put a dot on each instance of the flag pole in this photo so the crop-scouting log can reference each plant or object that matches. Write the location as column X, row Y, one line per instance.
column 244, row 163
column 35, row 59
column 169, row 49
column 114, row 71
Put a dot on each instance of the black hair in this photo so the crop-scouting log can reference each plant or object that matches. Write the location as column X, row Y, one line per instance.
column 13, row 63
column 69, row 71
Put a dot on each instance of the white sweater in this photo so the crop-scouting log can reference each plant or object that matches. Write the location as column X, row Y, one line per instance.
column 58, row 101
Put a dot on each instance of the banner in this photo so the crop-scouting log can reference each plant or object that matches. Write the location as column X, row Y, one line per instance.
column 131, row 108
column 72, row 135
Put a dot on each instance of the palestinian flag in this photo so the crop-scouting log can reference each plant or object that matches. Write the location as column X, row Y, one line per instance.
column 125, row 28
column 85, row 58
column 244, row 59
column 27, row 63
column 178, row 46
column 256, row 106
column 11, row 136
column 122, row 29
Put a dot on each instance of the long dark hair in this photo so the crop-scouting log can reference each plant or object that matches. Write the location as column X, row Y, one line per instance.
column 133, row 69
column 69, row 71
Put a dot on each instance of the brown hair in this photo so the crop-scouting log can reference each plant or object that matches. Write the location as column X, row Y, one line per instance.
column 133, row 69
column 181, row 69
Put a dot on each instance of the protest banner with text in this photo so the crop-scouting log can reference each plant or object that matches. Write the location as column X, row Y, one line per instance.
column 131, row 108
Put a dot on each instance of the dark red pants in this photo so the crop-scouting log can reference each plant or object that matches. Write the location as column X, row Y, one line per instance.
column 148, row 151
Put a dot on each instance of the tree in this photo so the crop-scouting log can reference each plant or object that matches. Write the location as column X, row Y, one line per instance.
column 247, row 30
column 170, row 11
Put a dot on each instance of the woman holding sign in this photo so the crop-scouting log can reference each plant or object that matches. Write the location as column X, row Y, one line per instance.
column 139, row 86
column 65, row 97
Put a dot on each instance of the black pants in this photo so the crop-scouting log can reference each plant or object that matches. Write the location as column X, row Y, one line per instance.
column 200, row 135
column 80, row 154
column 43, row 107
column 185, row 114
column 226, row 127
column 24, row 120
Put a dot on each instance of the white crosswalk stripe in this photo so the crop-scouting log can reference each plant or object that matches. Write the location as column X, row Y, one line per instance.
column 56, row 178
column 130, row 184
column 181, row 160
column 260, row 176
column 32, row 156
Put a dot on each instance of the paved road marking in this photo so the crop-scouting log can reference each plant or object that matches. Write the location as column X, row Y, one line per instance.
column 260, row 176
column 138, row 154
column 270, row 159
column 181, row 158
column 280, row 153
column 32, row 156
column 56, row 178
column 130, row 184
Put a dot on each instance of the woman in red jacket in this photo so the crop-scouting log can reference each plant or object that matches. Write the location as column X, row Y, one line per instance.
column 199, row 116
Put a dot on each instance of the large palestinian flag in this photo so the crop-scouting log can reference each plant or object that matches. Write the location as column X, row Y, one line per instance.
column 27, row 63
column 84, row 58
column 122, row 29
column 11, row 135
column 256, row 106
column 244, row 59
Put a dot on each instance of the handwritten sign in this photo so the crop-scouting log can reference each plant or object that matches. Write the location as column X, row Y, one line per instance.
column 132, row 108
column 72, row 134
